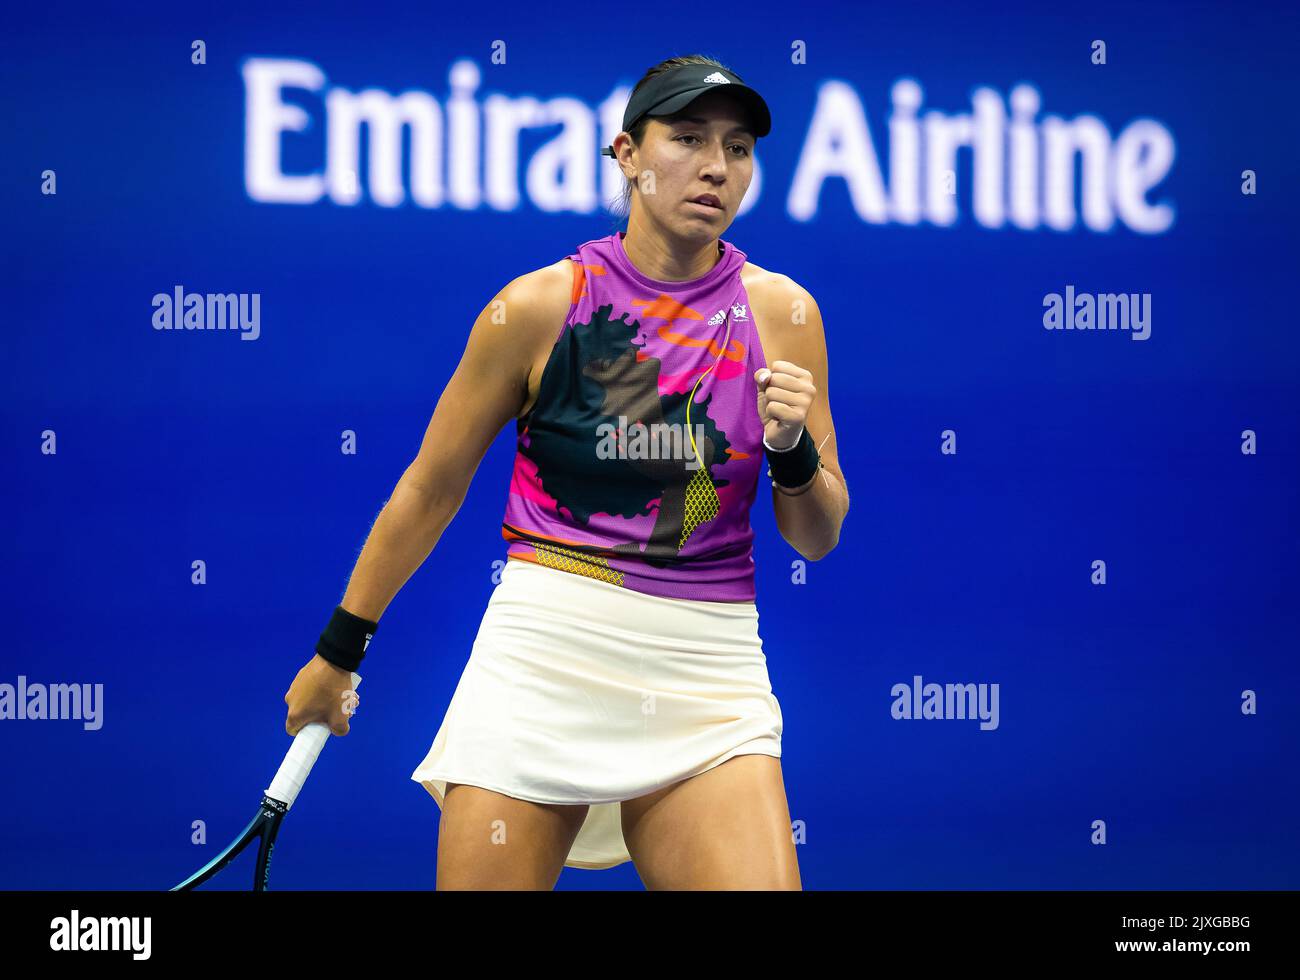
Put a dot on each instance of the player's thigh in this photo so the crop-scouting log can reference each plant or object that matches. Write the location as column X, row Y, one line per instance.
column 487, row 840
column 728, row 827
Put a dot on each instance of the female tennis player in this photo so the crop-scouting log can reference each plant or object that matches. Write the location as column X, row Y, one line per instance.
column 616, row 704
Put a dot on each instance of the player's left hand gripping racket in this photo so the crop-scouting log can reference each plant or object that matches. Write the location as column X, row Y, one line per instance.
column 276, row 801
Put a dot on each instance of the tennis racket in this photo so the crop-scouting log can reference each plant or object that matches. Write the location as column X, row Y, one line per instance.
column 276, row 801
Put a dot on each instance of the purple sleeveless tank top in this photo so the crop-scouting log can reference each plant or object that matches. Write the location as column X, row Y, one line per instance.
column 639, row 462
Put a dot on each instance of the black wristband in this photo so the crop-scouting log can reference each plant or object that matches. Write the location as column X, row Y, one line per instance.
column 795, row 466
column 344, row 641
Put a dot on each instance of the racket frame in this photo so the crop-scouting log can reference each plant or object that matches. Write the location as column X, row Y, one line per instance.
column 276, row 801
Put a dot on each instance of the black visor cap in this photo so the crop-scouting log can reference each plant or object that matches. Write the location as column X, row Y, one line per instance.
column 673, row 90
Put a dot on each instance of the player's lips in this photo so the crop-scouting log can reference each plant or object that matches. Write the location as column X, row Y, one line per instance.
column 708, row 199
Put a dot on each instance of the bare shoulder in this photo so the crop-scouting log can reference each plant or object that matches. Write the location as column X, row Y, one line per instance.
column 535, row 305
column 777, row 300
column 542, row 294
column 541, row 300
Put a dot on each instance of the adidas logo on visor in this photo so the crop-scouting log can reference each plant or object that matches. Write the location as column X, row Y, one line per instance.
column 717, row 76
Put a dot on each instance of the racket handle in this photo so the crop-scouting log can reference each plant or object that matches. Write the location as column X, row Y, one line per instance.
column 300, row 758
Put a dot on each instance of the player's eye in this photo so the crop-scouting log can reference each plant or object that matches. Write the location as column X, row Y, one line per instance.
column 744, row 150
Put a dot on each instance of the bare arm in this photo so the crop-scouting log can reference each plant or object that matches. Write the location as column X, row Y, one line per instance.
column 487, row 390
column 810, row 521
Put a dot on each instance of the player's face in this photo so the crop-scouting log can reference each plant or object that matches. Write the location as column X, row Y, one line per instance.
column 706, row 149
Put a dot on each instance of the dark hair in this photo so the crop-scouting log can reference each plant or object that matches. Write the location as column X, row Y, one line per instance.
column 623, row 209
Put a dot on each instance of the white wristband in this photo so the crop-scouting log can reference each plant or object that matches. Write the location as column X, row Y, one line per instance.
column 788, row 448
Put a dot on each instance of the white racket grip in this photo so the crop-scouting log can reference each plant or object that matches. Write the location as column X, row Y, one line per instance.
column 300, row 758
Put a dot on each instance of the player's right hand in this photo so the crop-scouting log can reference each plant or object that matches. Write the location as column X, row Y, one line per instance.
column 321, row 692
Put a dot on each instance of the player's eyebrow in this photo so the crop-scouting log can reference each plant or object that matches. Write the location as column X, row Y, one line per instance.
column 704, row 122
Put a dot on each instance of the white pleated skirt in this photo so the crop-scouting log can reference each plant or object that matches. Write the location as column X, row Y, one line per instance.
column 581, row 691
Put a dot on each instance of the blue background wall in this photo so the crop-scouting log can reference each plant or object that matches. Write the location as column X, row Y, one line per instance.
column 1119, row 703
